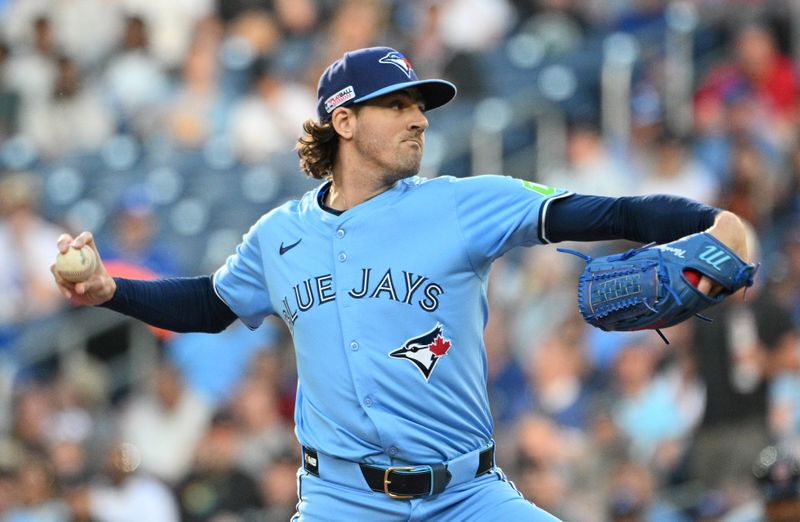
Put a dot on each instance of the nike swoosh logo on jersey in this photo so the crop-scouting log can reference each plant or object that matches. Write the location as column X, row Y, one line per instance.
column 286, row 248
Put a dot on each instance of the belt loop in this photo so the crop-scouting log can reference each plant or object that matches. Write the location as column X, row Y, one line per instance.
column 440, row 478
column 311, row 461
column 485, row 461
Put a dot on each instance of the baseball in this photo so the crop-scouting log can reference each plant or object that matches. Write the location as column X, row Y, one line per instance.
column 76, row 265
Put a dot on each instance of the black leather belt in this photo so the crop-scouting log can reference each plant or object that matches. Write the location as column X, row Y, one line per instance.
column 404, row 482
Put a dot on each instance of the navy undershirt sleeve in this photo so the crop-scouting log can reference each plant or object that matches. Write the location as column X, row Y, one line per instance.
column 184, row 304
column 660, row 218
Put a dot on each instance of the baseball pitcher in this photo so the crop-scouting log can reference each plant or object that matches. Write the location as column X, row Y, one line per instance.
column 380, row 275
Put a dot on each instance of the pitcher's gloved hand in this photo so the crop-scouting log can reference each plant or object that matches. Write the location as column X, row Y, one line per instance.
column 648, row 287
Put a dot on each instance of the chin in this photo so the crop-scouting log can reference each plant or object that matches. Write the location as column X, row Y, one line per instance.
column 401, row 174
column 411, row 170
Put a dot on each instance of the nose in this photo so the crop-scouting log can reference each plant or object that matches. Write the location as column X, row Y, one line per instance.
column 418, row 121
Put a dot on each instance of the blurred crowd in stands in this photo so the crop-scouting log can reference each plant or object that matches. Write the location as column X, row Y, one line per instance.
column 592, row 426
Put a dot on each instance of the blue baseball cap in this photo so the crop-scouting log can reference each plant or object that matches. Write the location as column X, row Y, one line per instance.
column 368, row 73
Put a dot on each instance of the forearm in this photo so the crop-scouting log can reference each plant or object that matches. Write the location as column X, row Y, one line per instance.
column 645, row 219
column 179, row 304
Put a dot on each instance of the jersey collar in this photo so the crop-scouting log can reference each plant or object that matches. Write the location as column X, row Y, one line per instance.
column 381, row 200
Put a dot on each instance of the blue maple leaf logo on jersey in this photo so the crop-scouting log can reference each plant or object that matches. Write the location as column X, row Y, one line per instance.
column 424, row 350
column 399, row 61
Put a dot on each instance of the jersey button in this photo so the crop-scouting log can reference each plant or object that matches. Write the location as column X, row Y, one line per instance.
column 340, row 233
column 393, row 451
column 368, row 402
column 354, row 346
column 342, row 257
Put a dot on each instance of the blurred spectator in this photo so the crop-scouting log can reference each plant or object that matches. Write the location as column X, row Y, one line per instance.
column 353, row 24
column 785, row 284
column 134, row 81
column 32, row 68
column 170, row 26
column 591, row 168
column 634, row 497
column 38, row 496
column 278, row 368
column 787, row 200
column 84, row 29
column 33, row 408
column 649, row 409
column 557, row 387
column 672, row 170
column 535, row 295
column 195, row 111
column 784, row 391
column 429, row 52
column 267, row 120
column 432, row 56
column 605, row 447
column 70, row 419
column 279, row 488
column 298, row 21
column 72, row 119
column 264, row 435
column 134, row 239
column 732, row 356
column 750, row 188
column 25, row 281
column 507, row 384
column 253, row 33
column 214, row 365
column 545, row 465
column 165, row 423
column 127, row 496
column 215, row 488
column 70, row 462
column 746, row 110
column 9, row 97
column 777, row 473
column 760, row 73
column 496, row 18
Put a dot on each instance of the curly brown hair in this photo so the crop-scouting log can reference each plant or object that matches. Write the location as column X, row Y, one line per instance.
column 317, row 148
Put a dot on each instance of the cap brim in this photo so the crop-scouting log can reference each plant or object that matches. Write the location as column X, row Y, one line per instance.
column 435, row 92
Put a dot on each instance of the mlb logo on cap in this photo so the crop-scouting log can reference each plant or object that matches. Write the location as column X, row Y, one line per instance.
column 368, row 73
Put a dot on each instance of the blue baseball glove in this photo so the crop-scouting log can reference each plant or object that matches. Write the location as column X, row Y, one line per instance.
column 648, row 288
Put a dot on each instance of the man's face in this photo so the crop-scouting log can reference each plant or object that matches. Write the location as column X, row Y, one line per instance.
column 390, row 134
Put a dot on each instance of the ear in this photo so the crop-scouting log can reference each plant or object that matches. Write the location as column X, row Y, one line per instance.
column 343, row 120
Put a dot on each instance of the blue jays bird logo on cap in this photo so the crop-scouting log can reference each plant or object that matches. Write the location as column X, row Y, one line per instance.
column 398, row 60
column 424, row 350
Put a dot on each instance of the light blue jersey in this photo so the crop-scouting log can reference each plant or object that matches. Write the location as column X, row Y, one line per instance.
column 387, row 307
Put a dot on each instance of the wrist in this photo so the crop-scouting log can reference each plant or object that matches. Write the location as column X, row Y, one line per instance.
column 729, row 229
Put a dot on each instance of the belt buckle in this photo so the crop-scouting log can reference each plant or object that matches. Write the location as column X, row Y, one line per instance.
column 386, row 481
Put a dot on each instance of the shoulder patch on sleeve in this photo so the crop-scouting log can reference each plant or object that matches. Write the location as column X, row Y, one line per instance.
column 544, row 190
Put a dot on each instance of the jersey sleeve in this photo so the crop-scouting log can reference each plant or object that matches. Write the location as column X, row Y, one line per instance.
column 497, row 213
column 241, row 282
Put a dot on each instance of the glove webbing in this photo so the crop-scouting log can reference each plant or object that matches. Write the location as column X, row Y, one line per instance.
column 634, row 301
